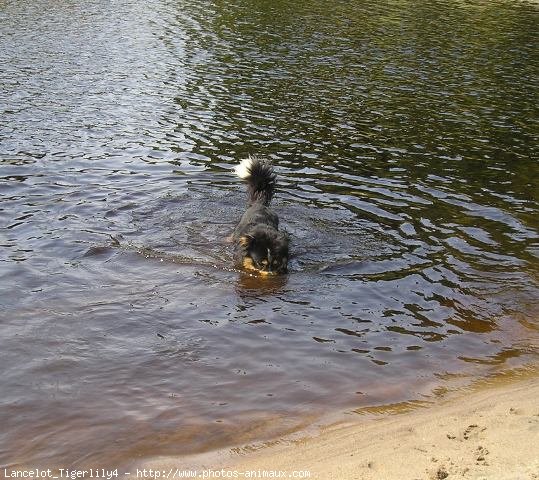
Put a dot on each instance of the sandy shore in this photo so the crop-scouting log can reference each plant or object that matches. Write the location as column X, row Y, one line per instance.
column 488, row 432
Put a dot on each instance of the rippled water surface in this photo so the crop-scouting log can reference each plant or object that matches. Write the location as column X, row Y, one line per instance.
column 405, row 135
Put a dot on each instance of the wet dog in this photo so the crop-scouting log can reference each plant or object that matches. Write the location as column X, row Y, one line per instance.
column 258, row 243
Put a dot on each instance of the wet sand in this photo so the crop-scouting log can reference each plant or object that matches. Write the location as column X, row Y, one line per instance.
column 490, row 431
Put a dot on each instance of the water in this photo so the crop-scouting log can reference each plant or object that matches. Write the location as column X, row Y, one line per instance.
column 405, row 138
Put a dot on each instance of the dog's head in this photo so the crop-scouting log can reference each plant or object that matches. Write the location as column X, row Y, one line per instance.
column 265, row 250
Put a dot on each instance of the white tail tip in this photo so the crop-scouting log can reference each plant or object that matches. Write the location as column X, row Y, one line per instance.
column 243, row 170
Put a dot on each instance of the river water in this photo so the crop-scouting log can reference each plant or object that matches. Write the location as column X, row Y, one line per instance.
column 405, row 136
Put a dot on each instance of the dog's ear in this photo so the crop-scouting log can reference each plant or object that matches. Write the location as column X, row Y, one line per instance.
column 284, row 237
column 245, row 240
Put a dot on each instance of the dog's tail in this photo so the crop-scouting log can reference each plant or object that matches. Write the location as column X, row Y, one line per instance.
column 260, row 179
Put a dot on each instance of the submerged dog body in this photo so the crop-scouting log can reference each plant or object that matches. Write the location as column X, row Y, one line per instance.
column 258, row 243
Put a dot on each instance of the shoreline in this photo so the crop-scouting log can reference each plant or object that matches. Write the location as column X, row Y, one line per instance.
column 487, row 431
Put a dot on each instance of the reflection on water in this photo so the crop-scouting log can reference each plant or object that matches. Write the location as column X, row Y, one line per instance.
column 405, row 138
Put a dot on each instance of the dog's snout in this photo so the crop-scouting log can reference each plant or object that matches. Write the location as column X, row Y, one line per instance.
column 265, row 266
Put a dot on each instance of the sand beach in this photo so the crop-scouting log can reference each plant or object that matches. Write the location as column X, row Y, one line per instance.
column 488, row 431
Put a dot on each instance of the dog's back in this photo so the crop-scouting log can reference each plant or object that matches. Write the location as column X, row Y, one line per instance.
column 261, row 180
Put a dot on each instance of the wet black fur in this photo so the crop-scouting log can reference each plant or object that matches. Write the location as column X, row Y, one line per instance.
column 257, row 236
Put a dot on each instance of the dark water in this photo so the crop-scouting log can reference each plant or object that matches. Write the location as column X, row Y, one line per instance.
column 405, row 134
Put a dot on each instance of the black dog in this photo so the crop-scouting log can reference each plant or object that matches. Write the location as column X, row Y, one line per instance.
column 258, row 244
